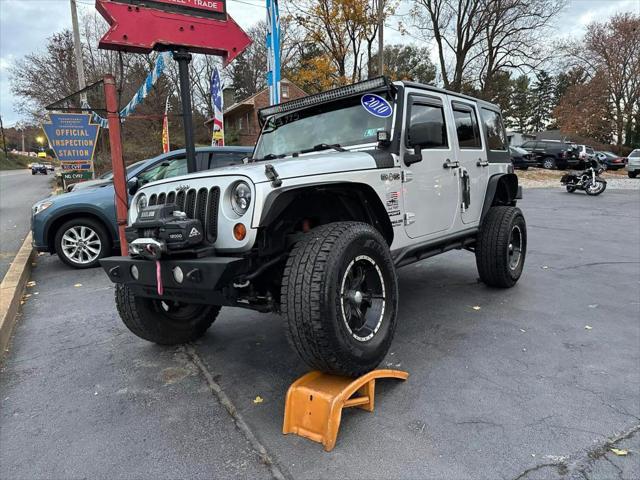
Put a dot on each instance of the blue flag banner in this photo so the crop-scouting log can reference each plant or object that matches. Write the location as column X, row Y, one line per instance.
column 72, row 136
column 273, row 51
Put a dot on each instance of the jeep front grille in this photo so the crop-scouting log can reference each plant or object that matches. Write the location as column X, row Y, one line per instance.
column 201, row 204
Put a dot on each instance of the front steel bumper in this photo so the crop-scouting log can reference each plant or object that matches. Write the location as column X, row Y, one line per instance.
column 205, row 279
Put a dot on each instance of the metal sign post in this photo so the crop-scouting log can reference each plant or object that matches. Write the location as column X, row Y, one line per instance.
column 117, row 162
column 183, row 58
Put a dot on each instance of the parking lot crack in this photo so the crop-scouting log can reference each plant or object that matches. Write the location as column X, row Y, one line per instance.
column 596, row 264
column 215, row 388
column 538, row 467
column 582, row 461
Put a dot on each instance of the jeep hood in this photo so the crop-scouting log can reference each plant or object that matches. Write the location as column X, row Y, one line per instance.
column 289, row 167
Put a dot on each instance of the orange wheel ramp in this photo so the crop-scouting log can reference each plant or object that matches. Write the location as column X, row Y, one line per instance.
column 314, row 402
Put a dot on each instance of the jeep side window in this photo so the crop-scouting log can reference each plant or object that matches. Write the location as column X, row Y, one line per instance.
column 495, row 131
column 432, row 117
column 528, row 145
column 467, row 128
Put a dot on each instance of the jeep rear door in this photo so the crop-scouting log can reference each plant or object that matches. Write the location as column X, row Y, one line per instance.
column 471, row 153
column 431, row 199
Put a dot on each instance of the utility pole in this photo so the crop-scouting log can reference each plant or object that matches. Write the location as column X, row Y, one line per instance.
column 77, row 46
column 380, row 37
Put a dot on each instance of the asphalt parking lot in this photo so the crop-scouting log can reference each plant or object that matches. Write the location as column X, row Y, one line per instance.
column 539, row 381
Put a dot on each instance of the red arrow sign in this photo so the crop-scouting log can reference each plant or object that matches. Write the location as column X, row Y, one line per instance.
column 200, row 26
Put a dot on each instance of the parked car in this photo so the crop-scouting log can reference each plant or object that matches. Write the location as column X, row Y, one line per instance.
column 633, row 163
column 521, row 159
column 80, row 226
column 585, row 153
column 552, row 154
column 49, row 167
column 38, row 168
column 610, row 161
column 104, row 179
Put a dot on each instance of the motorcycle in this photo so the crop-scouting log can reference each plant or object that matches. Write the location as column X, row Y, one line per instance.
column 589, row 180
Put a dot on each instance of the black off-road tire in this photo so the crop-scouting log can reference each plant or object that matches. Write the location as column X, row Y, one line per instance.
column 494, row 247
column 571, row 188
column 314, row 304
column 632, row 174
column 149, row 319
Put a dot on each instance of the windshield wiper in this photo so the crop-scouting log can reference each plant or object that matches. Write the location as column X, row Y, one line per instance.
column 323, row 146
column 269, row 156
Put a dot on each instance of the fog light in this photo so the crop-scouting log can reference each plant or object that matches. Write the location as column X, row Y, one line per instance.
column 178, row 275
column 134, row 272
column 239, row 231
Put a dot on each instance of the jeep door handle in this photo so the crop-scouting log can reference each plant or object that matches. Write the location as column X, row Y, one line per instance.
column 482, row 163
column 449, row 164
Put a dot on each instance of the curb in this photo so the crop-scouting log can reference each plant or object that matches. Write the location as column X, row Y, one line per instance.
column 11, row 290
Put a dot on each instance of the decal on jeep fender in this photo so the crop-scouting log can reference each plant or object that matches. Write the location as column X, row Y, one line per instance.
column 376, row 105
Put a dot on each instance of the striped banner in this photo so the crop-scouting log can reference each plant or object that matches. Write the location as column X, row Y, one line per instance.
column 273, row 51
column 140, row 95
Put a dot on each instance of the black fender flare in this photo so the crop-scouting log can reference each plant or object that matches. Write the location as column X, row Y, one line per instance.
column 502, row 189
column 278, row 200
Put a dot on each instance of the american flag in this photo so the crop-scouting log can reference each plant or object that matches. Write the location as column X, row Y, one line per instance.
column 217, row 137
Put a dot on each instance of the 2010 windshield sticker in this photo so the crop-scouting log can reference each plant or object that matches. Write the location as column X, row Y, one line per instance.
column 376, row 105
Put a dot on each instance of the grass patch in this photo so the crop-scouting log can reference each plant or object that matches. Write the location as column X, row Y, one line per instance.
column 14, row 162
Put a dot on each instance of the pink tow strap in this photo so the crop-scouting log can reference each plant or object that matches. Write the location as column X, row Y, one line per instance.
column 159, row 278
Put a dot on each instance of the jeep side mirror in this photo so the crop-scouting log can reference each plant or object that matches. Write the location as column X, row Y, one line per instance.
column 418, row 138
column 132, row 185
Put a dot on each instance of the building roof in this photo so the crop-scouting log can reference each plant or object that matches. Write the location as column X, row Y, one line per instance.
column 250, row 101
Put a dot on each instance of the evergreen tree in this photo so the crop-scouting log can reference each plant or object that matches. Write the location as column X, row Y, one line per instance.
column 519, row 112
column 542, row 101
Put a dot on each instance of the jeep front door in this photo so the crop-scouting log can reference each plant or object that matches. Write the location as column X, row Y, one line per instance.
column 472, row 155
column 431, row 198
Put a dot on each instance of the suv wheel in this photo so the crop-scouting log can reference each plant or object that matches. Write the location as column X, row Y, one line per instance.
column 340, row 298
column 633, row 174
column 82, row 242
column 549, row 163
column 163, row 321
column 501, row 247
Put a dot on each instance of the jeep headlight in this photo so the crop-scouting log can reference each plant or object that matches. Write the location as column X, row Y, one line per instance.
column 240, row 198
column 40, row 206
column 141, row 202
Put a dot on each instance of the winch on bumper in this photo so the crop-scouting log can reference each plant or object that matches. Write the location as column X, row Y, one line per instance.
column 170, row 259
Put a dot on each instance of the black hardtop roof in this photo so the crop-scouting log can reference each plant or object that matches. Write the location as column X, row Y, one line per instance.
column 369, row 85
column 432, row 88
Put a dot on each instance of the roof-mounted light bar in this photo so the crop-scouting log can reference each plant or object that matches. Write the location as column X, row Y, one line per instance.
column 323, row 97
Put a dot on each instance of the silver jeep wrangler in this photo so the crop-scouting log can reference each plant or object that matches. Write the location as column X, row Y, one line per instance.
column 343, row 188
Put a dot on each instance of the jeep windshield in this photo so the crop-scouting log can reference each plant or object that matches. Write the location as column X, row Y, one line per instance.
column 325, row 126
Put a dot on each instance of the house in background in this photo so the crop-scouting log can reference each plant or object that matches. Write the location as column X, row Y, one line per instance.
column 241, row 118
column 518, row 138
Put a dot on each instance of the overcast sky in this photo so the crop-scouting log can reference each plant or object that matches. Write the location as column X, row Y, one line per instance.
column 26, row 24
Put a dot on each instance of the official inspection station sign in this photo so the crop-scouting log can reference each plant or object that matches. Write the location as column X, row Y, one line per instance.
column 72, row 137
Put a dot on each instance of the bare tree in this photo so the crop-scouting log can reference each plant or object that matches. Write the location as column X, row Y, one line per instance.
column 611, row 51
column 514, row 36
column 457, row 27
column 477, row 39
